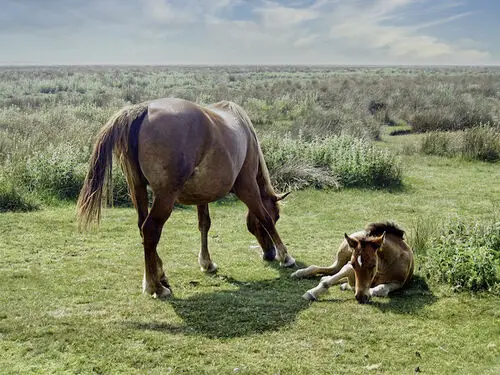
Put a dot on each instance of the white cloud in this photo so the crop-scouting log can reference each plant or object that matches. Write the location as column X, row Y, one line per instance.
column 367, row 27
column 276, row 16
column 166, row 13
column 244, row 31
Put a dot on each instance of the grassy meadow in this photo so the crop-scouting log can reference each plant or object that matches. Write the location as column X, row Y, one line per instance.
column 71, row 302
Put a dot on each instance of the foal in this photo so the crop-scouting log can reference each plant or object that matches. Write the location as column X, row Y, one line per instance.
column 376, row 260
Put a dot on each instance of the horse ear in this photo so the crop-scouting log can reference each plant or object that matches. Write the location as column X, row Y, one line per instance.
column 353, row 243
column 379, row 241
column 281, row 197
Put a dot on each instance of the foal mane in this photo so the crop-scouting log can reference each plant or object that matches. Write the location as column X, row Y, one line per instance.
column 243, row 117
column 377, row 229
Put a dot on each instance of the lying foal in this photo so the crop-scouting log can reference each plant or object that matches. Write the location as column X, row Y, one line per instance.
column 376, row 260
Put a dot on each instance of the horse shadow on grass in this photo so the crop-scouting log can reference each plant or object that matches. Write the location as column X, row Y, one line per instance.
column 254, row 307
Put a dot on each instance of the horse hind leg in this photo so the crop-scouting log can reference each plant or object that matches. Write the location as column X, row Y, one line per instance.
column 141, row 204
column 155, row 281
column 204, row 223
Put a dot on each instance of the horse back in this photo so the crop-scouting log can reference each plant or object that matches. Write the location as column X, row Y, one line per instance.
column 196, row 151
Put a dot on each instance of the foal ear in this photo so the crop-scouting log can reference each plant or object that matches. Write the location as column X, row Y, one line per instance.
column 281, row 197
column 379, row 241
column 353, row 243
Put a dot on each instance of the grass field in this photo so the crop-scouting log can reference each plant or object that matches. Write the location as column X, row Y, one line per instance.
column 71, row 302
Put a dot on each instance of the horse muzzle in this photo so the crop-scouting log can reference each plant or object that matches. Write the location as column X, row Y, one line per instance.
column 363, row 298
column 269, row 254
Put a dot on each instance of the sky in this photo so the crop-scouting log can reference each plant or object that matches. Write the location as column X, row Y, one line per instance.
column 249, row 32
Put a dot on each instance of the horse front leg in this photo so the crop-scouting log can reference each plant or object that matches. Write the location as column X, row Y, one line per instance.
column 265, row 242
column 249, row 193
column 204, row 223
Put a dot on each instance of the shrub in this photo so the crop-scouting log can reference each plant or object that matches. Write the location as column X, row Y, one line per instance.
column 465, row 256
column 457, row 114
column 330, row 162
column 480, row 142
column 289, row 166
column 436, row 143
column 55, row 172
column 13, row 199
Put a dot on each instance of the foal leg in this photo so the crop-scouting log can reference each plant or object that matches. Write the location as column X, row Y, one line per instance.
column 382, row 290
column 343, row 256
column 155, row 281
column 204, row 260
column 327, row 281
column 250, row 195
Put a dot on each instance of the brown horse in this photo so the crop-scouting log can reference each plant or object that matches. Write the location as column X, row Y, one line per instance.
column 376, row 260
column 188, row 154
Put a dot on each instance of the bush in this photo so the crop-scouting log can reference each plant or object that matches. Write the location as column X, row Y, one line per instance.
column 13, row 199
column 56, row 172
column 437, row 143
column 465, row 256
column 480, row 142
column 330, row 162
column 457, row 114
column 290, row 168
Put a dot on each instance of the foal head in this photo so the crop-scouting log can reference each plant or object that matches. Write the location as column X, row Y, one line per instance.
column 364, row 261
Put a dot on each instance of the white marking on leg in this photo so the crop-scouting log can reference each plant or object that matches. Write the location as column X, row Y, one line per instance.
column 327, row 281
column 383, row 290
column 359, row 261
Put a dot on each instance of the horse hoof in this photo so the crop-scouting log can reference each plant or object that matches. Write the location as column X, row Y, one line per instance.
column 212, row 268
column 309, row 297
column 288, row 262
column 162, row 293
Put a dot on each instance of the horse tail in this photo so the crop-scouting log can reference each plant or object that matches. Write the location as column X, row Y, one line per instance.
column 120, row 134
column 377, row 229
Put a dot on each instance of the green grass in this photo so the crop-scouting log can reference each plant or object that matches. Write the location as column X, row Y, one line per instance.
column 71, row 302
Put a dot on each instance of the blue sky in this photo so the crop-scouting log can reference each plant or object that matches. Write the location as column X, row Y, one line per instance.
column 361, row 32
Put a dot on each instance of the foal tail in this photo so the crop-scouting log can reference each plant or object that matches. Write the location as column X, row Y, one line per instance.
column 120, row 134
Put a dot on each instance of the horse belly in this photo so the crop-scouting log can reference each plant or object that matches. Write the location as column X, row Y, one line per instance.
column 205, row 186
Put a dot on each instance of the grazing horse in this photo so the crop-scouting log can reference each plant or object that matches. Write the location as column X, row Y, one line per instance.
column 188, row 154
column 376, row 260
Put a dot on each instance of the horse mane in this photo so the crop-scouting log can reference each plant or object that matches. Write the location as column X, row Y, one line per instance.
column 243, row 117
column 377, row 229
